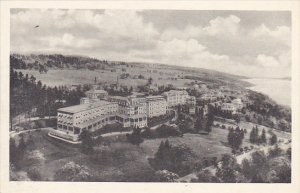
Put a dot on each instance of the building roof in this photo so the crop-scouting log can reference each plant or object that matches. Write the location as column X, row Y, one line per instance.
column 155, row 98
column 96, row 91
column 175, row 92
column 237, row 101
column 83, row 107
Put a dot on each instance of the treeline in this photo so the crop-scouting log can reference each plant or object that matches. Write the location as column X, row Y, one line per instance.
column 265, row 109
column 31, row 97
column 257, row 138
column 260, row 167
column 56, row 61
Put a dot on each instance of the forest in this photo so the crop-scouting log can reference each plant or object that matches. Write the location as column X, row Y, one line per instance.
column 33, row 98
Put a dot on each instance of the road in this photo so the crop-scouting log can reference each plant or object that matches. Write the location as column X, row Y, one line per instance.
column 23, row 119
column 14, row 133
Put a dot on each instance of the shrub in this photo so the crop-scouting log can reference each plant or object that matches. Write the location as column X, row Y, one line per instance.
column 166, row 176
column 135, row 137
column 73, row 172
column 179, row 159
column 276, row 151
column 34, row 158
column 34, row 174
column 207, row 176
column 161, row 132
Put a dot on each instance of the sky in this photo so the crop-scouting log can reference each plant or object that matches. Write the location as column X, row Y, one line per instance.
column 248, row 43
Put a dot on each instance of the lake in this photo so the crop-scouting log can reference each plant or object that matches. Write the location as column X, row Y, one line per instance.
column 277, row 89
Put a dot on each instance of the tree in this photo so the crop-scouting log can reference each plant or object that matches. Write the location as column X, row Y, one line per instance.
column 235, row 137
column 210, row 122
column 13, row 152
column 21, row 148
column 177, row 158
column 198, row 125
column 230, row 137
column 34, row 173
column 135, row 137
column 263, row 136
column 86, row 142
column 207, row 176
column 73, row 172
column 150, row 80
column 289, row 153
column 229, row 169
column 34, row 158
column 273, row 139
column 166, row 176
column 259, row 167
column 246, row 168
column 276, row 151
column 254, row 138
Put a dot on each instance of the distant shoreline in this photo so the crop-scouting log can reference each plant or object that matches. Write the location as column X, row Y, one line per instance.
column 278, row 89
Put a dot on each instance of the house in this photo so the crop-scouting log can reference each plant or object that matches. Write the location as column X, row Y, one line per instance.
column 228, row 107
column 96, row 94
column 238, row 104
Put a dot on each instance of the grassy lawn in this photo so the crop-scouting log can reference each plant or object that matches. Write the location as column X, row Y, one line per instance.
column 203, row 145
column 120, row 160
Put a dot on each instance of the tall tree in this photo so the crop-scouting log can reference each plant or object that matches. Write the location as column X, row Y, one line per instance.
column 273, row 139
column 210, row 122
column 263, row 138
column 86, row 142
column 198, row 124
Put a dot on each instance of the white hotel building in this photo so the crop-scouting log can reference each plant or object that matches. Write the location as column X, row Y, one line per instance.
column 132, row 111
column 71, row 121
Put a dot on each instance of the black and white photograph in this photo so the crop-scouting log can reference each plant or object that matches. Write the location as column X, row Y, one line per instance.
column 150, row 95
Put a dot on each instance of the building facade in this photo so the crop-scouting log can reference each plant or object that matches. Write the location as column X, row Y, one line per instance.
column 237, row 103
column 74, row 119
column 175, row 97
column 228, row 107
column 156, row 106
column 132, row 111
column 96, row 94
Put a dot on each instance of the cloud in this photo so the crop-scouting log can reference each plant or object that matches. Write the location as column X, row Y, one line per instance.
column 267, row 61
column 222, row 26
column 222, row 43
column 110, row 29
column 281, row 34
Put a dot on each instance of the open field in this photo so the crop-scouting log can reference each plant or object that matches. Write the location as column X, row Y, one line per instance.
column 75, row 77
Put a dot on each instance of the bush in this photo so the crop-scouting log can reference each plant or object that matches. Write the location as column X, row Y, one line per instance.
column 135, row 137
column 34, row 158
column 165, row 176
column 116, row 127
column 106, row 155
column 207, row 176
column 161, row 132
column 73, row 172
column 34, row 174
column 179, row 159
column 274, row 152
